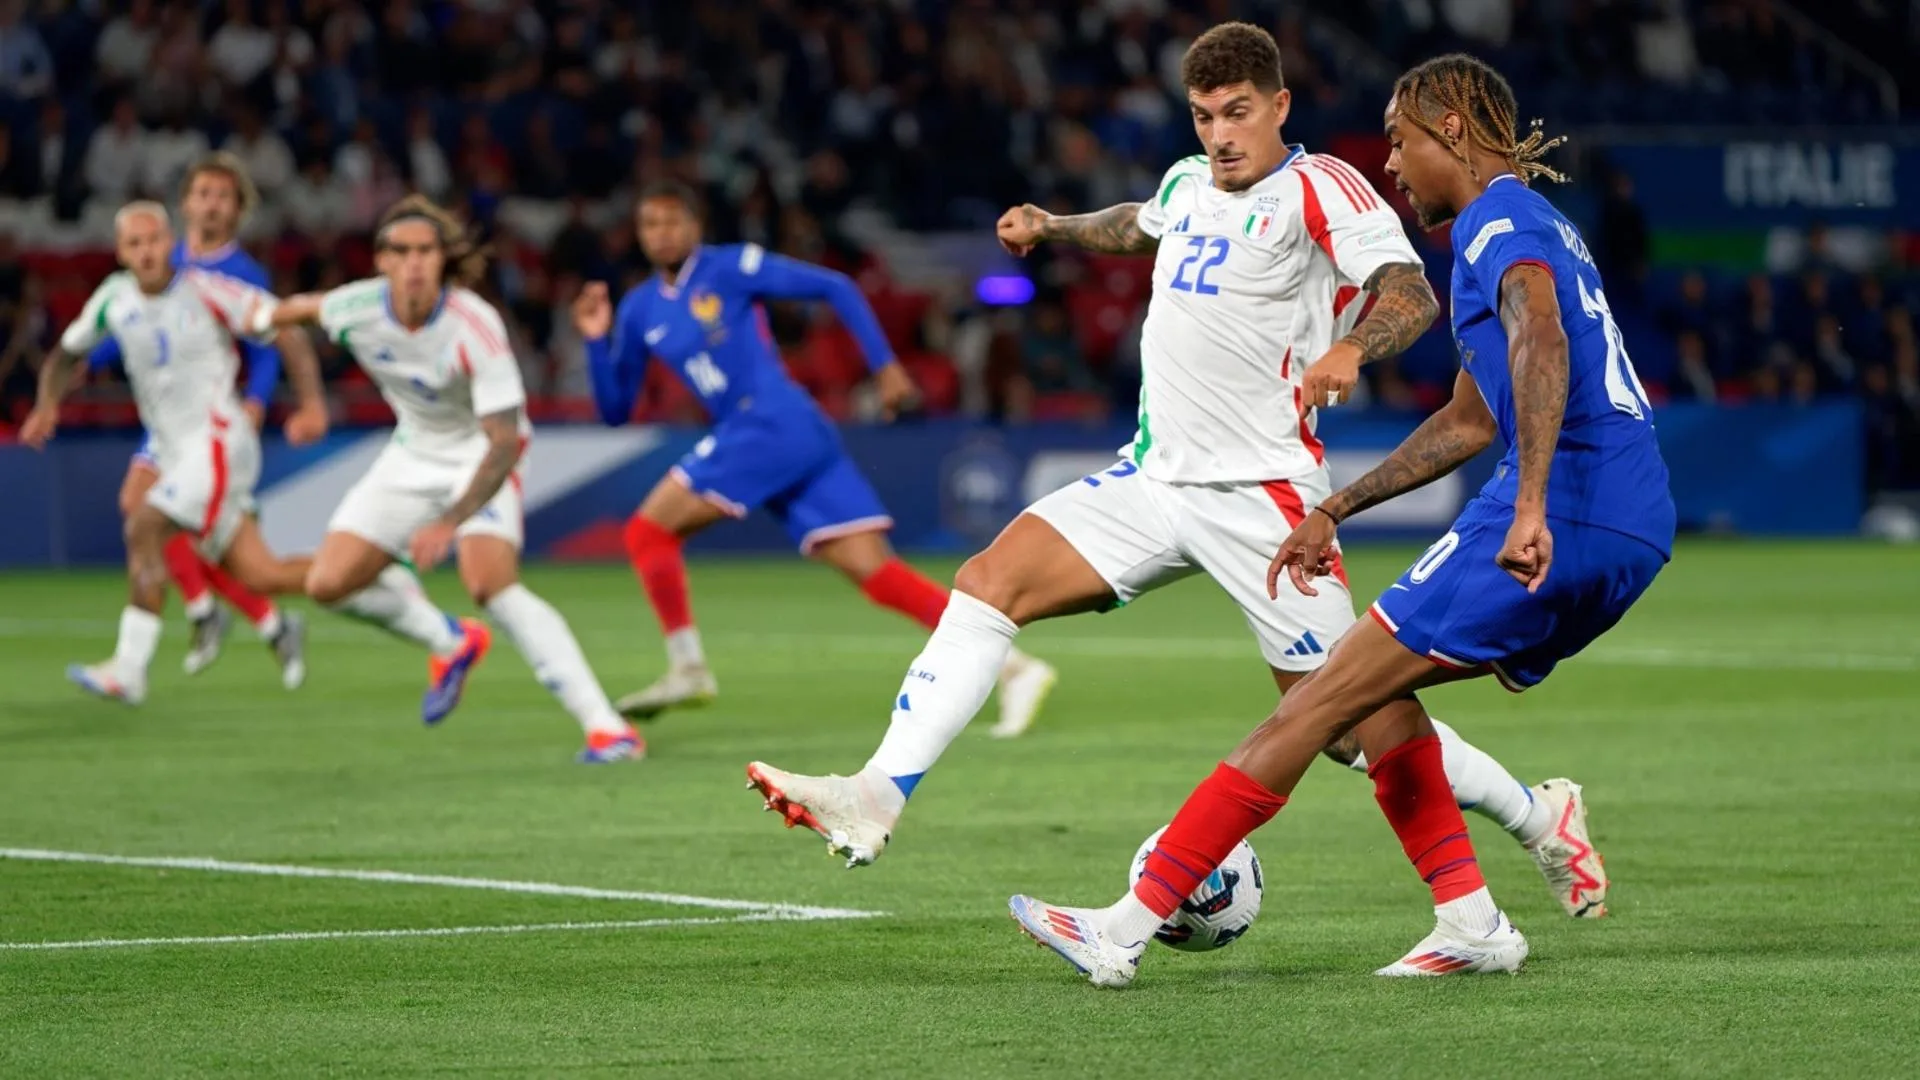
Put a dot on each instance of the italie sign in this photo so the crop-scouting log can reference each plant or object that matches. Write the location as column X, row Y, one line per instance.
column 1761, row 184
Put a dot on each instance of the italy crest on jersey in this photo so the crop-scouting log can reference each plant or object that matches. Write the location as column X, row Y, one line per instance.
column 1260, row 221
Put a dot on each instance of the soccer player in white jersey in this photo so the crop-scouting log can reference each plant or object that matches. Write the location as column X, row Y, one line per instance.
column 176, row 332
column 450, row 477
column 1264, row 252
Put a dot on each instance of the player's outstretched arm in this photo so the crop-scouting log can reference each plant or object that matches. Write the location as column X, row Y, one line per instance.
column 1113, row 231
column 309, row 420
column 297, row 310
column 1447, row 440
column 1537, row 359
column 56, row 377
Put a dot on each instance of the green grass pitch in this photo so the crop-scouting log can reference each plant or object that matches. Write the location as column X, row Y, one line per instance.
column 1749, row 739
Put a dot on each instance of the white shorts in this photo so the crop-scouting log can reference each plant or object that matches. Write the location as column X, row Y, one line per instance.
column 404, row 491
column 1139, row 534
column 206, row 484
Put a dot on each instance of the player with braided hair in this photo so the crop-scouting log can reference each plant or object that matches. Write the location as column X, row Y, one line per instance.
column 1518, row 584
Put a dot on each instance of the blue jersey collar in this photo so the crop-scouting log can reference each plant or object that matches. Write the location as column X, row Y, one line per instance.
column 671, row 289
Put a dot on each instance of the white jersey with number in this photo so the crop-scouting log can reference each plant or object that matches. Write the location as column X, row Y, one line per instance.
column 1250, row 287
column 177, row 347
column 440, row 379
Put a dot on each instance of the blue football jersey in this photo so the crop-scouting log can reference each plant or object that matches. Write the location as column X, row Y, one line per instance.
column 708, row 327
column 1607, row 469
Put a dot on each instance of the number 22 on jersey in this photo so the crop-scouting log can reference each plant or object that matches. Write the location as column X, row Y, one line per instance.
column 1211, row 248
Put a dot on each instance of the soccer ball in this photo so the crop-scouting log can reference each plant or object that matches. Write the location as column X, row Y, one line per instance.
column 1220, row 910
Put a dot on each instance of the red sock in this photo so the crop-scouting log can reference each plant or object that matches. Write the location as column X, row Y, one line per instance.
column 907, row 591
column 1218, row 815
column 655, row 554
column 258, row 609
column 184, row 566
column 1410, row 783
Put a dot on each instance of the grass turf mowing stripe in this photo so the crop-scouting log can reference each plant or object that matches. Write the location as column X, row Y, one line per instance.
column 418, row 932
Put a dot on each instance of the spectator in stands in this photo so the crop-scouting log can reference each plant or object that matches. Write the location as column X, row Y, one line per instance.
column 266, row 155
column 26, row 67
column 1053, row 369
column 117, row 156
column 171, row 151
column 125, row 49
column 426, row 161
column 241, row 50
column 1626, row 242
column 317, row 202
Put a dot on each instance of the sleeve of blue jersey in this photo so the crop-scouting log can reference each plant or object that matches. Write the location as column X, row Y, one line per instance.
column 617, row 362
column 1494, row 236
column 776, row 277
column 105, row 355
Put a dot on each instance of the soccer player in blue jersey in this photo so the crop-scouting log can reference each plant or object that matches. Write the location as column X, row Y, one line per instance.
column 1571, row 530
column 215, row 199
column 771, row 446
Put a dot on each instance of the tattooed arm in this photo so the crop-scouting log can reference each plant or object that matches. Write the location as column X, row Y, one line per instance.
column 1537, row 358
column 56, row 375
column 503, row 453
column 1113, row 231
column 1403, row 307
column 1448, row 439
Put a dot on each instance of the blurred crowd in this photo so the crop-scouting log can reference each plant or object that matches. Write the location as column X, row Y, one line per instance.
column 818, row 128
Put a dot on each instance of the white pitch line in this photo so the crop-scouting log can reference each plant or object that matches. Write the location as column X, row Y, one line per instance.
column 394, row 877
column 423, row 932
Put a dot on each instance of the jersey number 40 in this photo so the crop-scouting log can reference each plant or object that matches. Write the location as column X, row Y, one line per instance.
column 1623, row 383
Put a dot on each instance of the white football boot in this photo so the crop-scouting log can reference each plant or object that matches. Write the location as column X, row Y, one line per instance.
column 680, row 688
column 1454, row 950
column 209, row 634
column 1024, row 686
column 105, row 680
column 855, row 813
column 1565, row 855
column 1079, row 935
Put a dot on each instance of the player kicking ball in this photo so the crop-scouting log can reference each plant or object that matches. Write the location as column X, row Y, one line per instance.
column 1263, row 252
column 448, row 480
column 215, row 198
column 770, row 447
column 176, row 331
column 1571, row 530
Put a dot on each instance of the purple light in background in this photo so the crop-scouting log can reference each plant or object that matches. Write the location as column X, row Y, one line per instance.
column 1004, row 290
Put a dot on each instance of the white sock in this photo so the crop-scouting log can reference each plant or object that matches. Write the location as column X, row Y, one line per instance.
column 1130, row 921
column 947, row 683
column 269, row 627
column 1484, row 786
column 545, row 639
column 1475, row 912
column 139, row 637
column 683, row 649
column 200, row 606
column 396, row 602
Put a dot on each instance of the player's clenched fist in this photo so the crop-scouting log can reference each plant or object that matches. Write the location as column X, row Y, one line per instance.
column 1330, row 380
column 1020, row 228
column 39, row 427
column 593, row 312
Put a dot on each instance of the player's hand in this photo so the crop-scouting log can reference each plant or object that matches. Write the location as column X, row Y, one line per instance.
column 898, row 394
column 256, row 413
column 593, row 312
column 1528, row 551
column 1019, row 228
column 430, row 544
column 1306, row 554
column 39, row 427
column 307, row 424
column 1330, row 380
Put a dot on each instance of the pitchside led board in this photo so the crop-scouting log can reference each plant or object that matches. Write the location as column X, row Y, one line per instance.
column 1760, row 185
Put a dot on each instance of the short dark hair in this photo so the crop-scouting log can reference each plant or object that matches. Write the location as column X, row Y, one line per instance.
column 671, row 189
column 1231, row 53
column 1470, row 86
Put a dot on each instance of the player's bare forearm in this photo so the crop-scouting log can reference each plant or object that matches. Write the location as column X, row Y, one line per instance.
column 1403, row 307
column 56, row 376
column 503, row 453
column 297, row 359
column 297, row 310
column 1537, row 359
column 1113, row 231
column 1445, row 441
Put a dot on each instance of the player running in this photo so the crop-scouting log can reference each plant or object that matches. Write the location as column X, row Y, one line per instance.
column 770, row 446
column 1571, row 530
column 1260, row 249
column 450, row 477
column 215, row 198
column 176, row 329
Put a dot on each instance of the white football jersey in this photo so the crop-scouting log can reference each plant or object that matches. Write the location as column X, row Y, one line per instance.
column 177, row 347
column 1249, row 288
column 441, row 379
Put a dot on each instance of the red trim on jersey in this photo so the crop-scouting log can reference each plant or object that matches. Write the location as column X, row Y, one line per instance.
column 1342, row 298
column 1286, row 366
column 489, row 338
column 219, row 489
column 1294, row 509
column 1313, row 214
column 1307, row 438
column 1352, row 184
column 1528, row 262
column 466, row 365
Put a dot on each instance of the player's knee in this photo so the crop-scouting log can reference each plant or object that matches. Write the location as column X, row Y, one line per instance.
column 483, row 585
column 984, row 578
column 648, row 540
column 328, row 585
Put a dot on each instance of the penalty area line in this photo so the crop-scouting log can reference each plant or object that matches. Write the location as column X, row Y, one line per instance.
column 421, row 932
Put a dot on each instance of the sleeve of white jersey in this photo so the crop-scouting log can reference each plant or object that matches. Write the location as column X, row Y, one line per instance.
column 1156, row 213
column 236, row 303
column 1350, row 221
column 344, row 305
column 86, row 332
column 492, row 372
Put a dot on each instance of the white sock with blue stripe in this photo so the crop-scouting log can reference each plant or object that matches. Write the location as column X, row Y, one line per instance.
column 396, row 602
column 542, row 635
column 1485, row 787
column 945, row 686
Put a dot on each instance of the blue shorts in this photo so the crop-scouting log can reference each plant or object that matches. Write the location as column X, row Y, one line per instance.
column 1459, row 609
column 795, row 467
